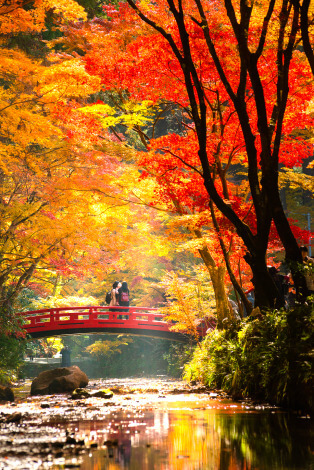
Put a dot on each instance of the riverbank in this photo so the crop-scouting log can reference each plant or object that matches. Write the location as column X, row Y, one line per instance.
column 268, row 358
column 157, row 421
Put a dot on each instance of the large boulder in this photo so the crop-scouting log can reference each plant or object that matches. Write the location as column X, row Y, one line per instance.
column 60, row 380
column 6, row 394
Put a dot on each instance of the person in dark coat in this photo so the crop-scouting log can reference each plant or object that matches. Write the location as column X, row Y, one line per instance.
column 280, row 282
column 308, row 263
column 66, row 356
column 124, row 296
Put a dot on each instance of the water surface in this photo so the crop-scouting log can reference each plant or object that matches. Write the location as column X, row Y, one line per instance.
column 197, row 433
column 152, row 424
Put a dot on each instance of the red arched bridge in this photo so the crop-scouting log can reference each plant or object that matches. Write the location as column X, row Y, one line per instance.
column 119, row 320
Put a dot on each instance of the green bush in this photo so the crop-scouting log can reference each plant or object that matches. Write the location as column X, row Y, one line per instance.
column 11, row 357
column 12, row 345
column 177, row 356
column 269, row 358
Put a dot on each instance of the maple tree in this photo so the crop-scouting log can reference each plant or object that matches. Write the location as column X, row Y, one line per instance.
column 134, row 117
column 305, row 10
column 52, row 224
column 64, row 146
column 64, row 204
column 59, row 219
column 35, row 222
column 194, row 53
column 103, row 41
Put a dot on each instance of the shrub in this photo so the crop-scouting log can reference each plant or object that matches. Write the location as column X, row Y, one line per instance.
column 269, row 358
column 177, row 356
column 12, row 345
column 11, row 357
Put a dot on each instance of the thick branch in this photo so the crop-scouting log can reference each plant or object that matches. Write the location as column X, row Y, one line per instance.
column 305, row 34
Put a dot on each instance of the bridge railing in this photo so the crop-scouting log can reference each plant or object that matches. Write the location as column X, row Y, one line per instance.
column 63, row 318
column 88, row 314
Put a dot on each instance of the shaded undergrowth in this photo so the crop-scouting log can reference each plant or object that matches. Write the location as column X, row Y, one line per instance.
column 269, row 358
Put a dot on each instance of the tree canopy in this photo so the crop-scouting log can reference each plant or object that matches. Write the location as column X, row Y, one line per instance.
column 148, row 130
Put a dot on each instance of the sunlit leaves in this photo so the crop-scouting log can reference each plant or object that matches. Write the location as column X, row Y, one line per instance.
column 188, row 305
column 48, row 217
column 107, row 348
column 66, row 79
column 133, row 114
column 19, row 15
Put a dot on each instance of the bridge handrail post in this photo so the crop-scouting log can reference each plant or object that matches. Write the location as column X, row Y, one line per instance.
column 52, row 316
column 93, row 313
column 55, row 313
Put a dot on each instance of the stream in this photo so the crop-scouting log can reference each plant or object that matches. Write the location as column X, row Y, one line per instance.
column 150, row 423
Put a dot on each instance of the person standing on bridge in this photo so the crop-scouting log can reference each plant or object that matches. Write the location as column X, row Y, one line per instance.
column 124, row 296
column 114, row 296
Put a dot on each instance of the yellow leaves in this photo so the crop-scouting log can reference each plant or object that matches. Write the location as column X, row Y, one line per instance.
column 296, row 180
column 67, row 10
column 15, row 62
column 145, row 5
column 86, row 220
column 133, row 114
column 188, row 303
column 15, row 19
column 38, row 221
column 67, row 79
column 58, row 302
column 24, row 125
column 98, row 109
column 107, row 348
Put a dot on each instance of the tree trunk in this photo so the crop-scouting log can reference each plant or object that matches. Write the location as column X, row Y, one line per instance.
column 265, row 290
column 224, row 313
column 293, row 254
column 217, row 276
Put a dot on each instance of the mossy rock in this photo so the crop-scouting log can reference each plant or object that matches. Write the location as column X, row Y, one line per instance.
column 6, row 393
column 103, row 394
column 80, row 393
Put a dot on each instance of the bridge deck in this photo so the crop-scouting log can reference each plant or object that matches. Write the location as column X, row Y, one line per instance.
column 101, row 319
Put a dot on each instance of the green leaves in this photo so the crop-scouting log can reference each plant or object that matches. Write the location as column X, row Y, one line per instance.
column 269, row 359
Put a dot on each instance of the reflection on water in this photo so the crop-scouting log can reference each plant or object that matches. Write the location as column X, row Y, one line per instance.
column 178, row 437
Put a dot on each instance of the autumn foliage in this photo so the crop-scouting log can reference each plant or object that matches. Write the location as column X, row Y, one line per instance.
column 154, row 127
column 186, row 59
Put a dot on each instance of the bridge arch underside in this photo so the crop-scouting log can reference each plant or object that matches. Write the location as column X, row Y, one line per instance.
column 169, row 335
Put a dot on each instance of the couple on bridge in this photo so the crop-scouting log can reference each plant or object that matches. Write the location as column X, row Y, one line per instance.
column 120, row 296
